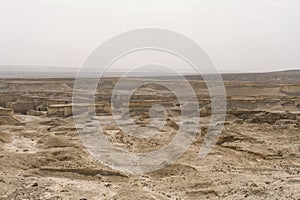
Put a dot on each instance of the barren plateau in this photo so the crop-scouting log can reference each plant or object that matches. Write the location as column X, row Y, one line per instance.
column 257, row 155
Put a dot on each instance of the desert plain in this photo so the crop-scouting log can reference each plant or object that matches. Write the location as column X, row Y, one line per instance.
column 257, row 155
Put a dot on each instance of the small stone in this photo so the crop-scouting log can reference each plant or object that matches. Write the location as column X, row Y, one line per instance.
column 107, row 185
column 253, row 185
column 34, row 185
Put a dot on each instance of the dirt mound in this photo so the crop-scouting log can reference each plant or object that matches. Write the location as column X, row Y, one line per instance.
column 286, row 122
column 271, row 117
column 232, row 118
column 4, row 137
column 84, row 171
column 54, row 122
column 55, row 142
column 7, row 120
column 172, row 124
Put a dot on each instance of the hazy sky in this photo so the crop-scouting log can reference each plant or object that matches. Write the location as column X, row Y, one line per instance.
column 239, row 35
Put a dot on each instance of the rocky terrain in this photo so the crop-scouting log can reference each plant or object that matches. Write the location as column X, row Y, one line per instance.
column 256, row 157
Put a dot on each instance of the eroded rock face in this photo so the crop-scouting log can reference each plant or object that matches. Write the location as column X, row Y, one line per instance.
column 287, row 122
column 273, row 118
column 23, row 96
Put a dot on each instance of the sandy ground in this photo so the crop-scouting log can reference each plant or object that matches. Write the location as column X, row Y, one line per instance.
column 43, row 158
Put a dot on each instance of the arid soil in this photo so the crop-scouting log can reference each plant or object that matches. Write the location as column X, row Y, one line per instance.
column 256, row 157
